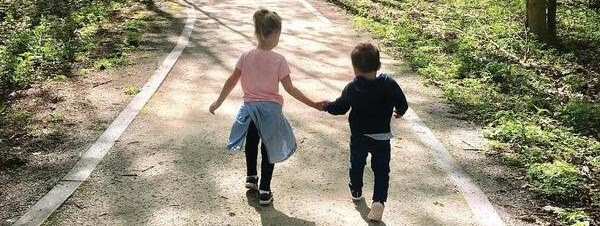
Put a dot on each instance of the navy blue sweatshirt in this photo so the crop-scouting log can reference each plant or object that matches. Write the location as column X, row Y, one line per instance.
column 372, row 103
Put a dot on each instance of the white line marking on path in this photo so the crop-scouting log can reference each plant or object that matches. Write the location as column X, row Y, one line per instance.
column 312, row 9
column 477, row 200
column 38, row 213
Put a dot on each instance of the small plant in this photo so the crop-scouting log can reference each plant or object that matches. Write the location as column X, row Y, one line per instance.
column 132, row 90
column 582, row 116
column 144, row 15
column 174, row 5
column 558, row 180
column 21, row 118
column 3, row 108
column 497, row 146
column 133, row 32
column 99, row 126
column 108, row 63
column 132, row 38
column 56, row 117
column 60, row 78
column 573, row 217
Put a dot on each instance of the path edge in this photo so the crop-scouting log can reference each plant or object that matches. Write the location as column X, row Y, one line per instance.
column 476, row 199
column 38, row 213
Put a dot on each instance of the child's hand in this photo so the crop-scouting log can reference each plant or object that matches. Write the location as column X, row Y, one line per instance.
column 396, row 115
column 214, row 107
column 317, row 105
column 321, row 105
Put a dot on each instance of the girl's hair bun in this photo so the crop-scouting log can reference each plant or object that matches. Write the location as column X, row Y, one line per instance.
column 266, row 23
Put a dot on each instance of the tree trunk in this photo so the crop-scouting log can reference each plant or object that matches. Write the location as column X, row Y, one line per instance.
column 541, row 19
column 552, row 20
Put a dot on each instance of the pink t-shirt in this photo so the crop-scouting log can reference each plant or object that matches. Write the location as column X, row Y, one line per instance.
column 261, row 72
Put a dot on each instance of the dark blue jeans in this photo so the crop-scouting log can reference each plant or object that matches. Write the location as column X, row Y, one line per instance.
column 360, row 147
column 251, row 150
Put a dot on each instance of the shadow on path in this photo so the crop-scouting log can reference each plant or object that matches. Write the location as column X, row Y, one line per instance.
column 362, row 207
column 270, row 216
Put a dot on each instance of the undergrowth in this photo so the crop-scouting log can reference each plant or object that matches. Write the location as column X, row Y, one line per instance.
column 46, row 39
column 539, row 102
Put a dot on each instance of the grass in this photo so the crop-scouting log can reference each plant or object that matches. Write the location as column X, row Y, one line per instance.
column 538, row 102
column 44, row 39
column 132, row 90
column 108, row 63
column 556, row 180
column 60, row 78
column 574, row 217
column 56, row 117
column 99, row 126
column 55, row 41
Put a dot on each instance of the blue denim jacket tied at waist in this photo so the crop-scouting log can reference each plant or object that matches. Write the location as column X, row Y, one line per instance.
column 273, row 128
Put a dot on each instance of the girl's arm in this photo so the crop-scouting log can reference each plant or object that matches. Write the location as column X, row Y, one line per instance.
column 292, row 90
column 229, row 85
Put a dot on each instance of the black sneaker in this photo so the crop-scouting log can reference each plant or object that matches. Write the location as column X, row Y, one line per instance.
column 356, row 194
column 265, row 198
column 252, row 182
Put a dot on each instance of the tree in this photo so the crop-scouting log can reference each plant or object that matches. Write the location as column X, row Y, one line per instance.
column 541, row 19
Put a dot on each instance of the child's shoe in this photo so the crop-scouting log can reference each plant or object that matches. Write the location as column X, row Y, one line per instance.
column 356, row 194
column 376, row 211
column 265, row 197
column 252, row 182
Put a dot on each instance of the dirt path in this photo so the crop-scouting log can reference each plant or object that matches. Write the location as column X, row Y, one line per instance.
column 170, row 167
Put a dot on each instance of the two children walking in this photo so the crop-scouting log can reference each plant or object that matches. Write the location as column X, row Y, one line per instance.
column 371, row 99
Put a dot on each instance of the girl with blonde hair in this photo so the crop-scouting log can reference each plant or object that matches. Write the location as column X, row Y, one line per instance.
column 260, row 117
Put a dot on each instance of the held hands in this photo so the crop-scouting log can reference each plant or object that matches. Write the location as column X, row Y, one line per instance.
column 321, row 105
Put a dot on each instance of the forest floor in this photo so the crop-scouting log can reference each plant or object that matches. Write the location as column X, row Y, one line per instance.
column 61, row 119
column 170, row 166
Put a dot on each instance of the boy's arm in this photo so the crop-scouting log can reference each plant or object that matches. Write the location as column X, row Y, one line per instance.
column 341, row 105
column 229, row 85
column 400, row 102
column 296, row 93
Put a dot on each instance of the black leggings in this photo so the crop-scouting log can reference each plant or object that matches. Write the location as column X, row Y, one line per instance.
column 360, row 147
column 266, row 168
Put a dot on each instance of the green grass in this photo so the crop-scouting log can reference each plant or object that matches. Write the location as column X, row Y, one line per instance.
column 573, row 217
column 133, row 32
column 42, row 39
column 60, row 78
column 539, row 103
column 557, row 180
column 108, row 63
column 132, row 90
column 56, row 117
column 45, row 40
column 99, row 126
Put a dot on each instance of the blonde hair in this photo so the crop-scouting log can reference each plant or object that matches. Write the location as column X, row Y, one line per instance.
column 266, row 23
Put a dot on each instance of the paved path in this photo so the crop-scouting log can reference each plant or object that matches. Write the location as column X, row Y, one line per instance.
column 183, row 176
